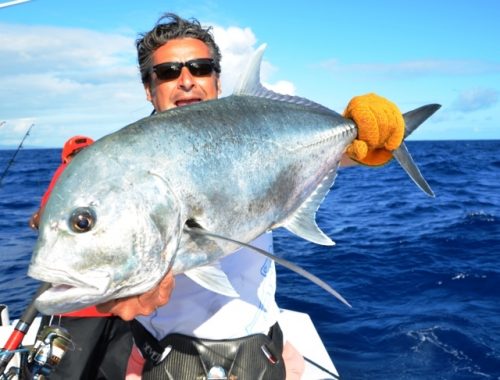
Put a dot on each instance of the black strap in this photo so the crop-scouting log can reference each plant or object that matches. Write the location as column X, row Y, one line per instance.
column 276, row 345
column 251, row 357
column 152, row 349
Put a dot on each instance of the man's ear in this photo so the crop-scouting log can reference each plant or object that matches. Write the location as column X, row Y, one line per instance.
column 219, row 87
column 147, row 89
column 158, row 296
column 167, row 284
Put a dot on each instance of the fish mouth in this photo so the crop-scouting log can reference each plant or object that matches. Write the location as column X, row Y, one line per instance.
column 71, row 293
column 64, row 298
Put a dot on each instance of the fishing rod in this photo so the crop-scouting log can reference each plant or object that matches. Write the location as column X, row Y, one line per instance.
column 14, row 2
column 335, row 376
column 15, row 154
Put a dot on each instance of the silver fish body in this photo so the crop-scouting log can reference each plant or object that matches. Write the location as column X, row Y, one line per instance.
column 239, row 174
column 237, row 166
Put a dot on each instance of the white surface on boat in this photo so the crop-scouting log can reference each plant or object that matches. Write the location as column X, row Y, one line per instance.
column 299, row 329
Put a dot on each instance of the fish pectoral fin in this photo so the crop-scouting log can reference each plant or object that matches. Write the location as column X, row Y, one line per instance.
column 212, row 278
column 287, row 264
column 303, row 222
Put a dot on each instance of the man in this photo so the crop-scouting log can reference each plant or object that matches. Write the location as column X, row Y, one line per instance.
column 180, row 65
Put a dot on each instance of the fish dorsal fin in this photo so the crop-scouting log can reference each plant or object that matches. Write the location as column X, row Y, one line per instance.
column 212, row 278
column 249, row 84
column 303, row 221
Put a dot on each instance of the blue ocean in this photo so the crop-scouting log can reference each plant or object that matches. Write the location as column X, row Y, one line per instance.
column 422, row 274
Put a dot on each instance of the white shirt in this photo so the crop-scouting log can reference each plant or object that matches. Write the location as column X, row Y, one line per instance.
column 196, row 311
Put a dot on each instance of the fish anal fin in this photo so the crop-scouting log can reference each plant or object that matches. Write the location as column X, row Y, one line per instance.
column 303, row 221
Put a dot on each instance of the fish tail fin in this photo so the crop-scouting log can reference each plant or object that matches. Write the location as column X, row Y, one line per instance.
column 412, row 120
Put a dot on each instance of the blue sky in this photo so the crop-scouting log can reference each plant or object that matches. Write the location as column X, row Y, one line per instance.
column 69, row 67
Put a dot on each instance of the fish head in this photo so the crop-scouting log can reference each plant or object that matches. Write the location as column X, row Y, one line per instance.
column 103, row 236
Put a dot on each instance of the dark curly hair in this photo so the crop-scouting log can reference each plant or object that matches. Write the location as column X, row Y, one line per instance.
column 169, row 27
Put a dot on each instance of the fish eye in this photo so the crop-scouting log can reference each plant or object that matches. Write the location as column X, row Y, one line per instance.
column 82, row 220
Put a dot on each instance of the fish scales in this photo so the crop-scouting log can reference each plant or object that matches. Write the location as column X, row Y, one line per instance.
column 270, row 147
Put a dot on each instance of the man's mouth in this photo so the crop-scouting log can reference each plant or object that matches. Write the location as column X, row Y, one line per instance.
column 186, row 102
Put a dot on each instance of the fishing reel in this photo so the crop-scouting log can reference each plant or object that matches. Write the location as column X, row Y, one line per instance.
column 49, row 348
column 18, row 362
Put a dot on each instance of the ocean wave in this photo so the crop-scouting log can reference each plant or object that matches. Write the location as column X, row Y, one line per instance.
column 458, row 354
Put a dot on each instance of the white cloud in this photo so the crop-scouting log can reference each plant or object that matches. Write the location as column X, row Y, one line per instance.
column 65, row 49
column 282, row 87
column 476, row 99
column 67, row 81
column 237, row 46
column 10, row 130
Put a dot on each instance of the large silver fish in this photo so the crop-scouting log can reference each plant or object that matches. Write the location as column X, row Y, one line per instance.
column 126, row 209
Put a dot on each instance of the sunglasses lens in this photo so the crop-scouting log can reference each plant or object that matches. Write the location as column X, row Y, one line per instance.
column 200, row 67
column 168, row 71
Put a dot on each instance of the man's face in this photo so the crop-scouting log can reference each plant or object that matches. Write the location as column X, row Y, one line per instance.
column 186, row 89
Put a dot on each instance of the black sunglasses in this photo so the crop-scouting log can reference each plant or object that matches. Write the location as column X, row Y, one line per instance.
column 197, row 67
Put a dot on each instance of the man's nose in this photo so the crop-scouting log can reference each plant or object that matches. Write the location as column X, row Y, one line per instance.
column 185, row 80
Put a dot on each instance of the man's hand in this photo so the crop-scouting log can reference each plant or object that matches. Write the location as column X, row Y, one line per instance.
column 295, row 364
column 34, row 220
column 381, row 129
column 143, row 304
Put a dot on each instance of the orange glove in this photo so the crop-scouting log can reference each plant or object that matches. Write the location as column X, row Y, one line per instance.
column 381, row 129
